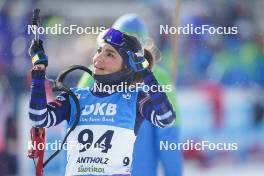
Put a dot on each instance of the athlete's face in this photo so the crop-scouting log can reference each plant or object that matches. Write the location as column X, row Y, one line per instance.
column 106, row 60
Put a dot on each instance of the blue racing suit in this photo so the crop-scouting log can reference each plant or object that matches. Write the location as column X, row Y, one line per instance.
column 103, row 141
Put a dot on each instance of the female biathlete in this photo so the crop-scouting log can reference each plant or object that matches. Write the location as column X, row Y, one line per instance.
column 148, row 134
column 109, row 120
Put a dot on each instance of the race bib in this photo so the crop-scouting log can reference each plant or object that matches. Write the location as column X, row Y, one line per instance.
column 99, row 150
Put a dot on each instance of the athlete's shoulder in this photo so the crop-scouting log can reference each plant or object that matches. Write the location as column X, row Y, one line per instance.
column 81, row 92
column 80, row 89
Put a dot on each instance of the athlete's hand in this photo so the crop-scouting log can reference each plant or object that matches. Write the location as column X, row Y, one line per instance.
column 137, row 62
column 37, row 53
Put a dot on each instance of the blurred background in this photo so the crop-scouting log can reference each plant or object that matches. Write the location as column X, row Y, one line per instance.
column 219, row 79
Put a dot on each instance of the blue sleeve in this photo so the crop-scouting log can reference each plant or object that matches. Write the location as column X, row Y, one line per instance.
column 41, row 113
column 154, row 106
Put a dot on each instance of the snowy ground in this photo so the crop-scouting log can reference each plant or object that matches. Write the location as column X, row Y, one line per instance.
column 245, row 169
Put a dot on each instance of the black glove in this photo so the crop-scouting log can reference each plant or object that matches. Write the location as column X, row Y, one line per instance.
column 37, row 53
column 136, row 62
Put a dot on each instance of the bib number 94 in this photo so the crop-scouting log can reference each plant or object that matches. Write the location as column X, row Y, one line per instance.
column 86, row 138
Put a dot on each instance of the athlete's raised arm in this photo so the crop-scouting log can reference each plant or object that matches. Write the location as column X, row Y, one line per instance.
column 155, row 106
column 41, row 113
